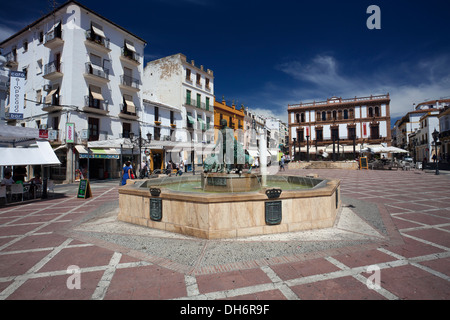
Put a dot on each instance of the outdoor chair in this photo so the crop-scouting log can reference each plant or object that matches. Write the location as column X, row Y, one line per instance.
column 17, row 189
column 50, row 186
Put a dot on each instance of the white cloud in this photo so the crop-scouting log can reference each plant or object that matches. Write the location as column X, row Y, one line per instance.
column 407, row 83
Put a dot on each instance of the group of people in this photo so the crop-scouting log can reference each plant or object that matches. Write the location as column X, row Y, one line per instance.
column 129, row 173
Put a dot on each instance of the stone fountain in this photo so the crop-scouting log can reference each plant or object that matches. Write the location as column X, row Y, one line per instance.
column 225, row 202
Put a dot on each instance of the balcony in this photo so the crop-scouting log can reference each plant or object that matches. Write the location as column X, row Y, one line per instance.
column 130, row 84
column 95, row 106
column 11, row 60
column 54, row 104
column 96, row 73
column 97, row 42
column 52, row 70
column 54, row 39
column 130, row 56
column 128, row 112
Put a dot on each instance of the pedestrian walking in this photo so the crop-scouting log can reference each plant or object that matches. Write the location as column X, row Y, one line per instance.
column 126, row 173
column 424, row 163
column 282, row 163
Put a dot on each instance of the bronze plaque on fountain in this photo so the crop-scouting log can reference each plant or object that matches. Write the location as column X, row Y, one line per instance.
column 273, row 212
column 155, row 209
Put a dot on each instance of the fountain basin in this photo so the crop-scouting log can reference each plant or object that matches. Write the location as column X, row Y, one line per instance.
column 220, row 215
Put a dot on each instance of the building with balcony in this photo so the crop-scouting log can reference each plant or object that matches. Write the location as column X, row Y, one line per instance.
column 83, row 70
column 233, row 115
column 189, row 89
column 360, row 121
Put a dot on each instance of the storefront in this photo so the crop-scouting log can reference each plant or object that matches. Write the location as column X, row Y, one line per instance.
column 102, row 163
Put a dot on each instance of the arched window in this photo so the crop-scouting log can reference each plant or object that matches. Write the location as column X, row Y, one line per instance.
column 370, row 112
column 302, row 117
column 377, row 111
column 324, row 116
column 318, row 116
column 297, row 117
column 352, row 113
column 334, row 115
column 345, row 114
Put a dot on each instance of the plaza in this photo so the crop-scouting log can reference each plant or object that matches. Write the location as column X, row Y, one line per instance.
column 398, row 221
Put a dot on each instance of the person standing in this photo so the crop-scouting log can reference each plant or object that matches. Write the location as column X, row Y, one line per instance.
column 282, row 163
column 126, row 173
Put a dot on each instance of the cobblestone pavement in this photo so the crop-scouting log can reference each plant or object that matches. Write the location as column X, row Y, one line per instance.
column 47, row 252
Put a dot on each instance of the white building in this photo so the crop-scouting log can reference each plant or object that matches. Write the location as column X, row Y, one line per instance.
column 82, row 69
column 189, row 89
column 424, row 143
column 254, row 127
column 359, row 120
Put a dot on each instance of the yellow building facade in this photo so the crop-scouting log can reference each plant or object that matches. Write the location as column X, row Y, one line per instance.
column 234, row 116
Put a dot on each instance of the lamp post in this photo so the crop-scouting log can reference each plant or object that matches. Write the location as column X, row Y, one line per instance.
column 307, row 148
column 294, row 139
column 435, row 138
column 140, row 141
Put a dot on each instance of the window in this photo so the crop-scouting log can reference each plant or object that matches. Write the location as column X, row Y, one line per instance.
column 335, row 133
column 156, row 114
column 351, row 133
column 207, row 104
column 25, row 45
column 188, row 97
column 345, row 114
column 374, row 132
column 324, row 116
column 172, row 117
column 41, row 36
column 188, row 74
column 93, row 127
column 199, row 77
column 95, row 97
column 302, row 117
column 370, row 112
column 300, row 136
column 207, row 83
column 157, row 133
column 126, row 129
column 55, row 123
column 199, row 100
column 297, row 117
column 318, row 116
column 319, row 134
column 377, row 111
column 334, row 115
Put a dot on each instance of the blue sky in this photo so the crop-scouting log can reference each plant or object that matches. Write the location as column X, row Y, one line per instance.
column 268, row 54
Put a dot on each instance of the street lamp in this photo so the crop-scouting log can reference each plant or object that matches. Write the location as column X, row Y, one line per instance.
column 294, row 139
column 140, row 141
column 435, row 138
column 307, row 148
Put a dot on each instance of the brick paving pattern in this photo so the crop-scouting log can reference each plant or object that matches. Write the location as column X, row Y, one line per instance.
column 38, row 245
